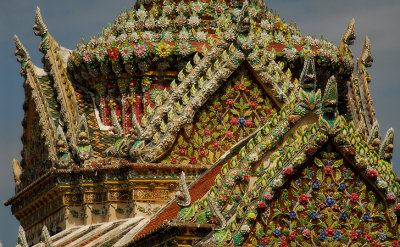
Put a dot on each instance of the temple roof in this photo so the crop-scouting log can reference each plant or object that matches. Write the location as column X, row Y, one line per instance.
column 138, row 93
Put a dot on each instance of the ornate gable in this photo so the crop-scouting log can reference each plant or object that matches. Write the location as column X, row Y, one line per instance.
column 236, row 110
column 327, row 203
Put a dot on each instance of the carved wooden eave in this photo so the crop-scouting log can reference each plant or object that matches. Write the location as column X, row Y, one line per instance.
column 54, row 60
column 28, row 70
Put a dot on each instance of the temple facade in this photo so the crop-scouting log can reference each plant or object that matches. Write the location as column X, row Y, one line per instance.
column 202, row 123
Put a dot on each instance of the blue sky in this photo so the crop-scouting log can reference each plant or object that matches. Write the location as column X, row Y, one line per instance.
column 70, row 21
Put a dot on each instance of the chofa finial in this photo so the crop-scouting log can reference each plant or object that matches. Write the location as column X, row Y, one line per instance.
column 22, row 53
column 386, row 150
column 39, row 27
column 366, row 59
column 183, row 195
column 348, row 38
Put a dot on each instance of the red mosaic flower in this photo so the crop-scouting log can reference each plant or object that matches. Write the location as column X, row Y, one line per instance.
column 330, row 231
column 284, row 244
column 234, row 121
column 237, row 88
column 217, row 145
column 182, row 151
column 372, row 174
column 267, row 197
column 303, row 199
column 288, row 172
column 229, row 102
column 398, row 207
column 174, row 160
column 206, row 132
column 223, row 197
column 202, row 152
column 328, row 170
column 368, row 237
column 354, row 197
column 261, row 205
column 395, row 243
column 245, row 177
column 292, row 236
column 391, row 197
column 113, row 54
column 307, row 233
column 248, row 124
column 229, row 134
column 216, row 107
column 193, row 160
column 265, row 240
column 353, row 235
column 253, row 105
column 268, row 111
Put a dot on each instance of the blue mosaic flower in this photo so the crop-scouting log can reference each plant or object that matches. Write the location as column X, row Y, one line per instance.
column 329, row 202
column 323, row 235
column 342, row 186
column 315, row 185
column 337, row 235
column 367, row 217
column 314, row 215
column 382, row 236
column 277, row 232
column 241, row 121
column 311, row 174
column 292, row 215
column 344, row 215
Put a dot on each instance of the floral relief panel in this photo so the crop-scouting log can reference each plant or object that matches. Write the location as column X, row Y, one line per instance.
column 236, row 110
column 327, row 204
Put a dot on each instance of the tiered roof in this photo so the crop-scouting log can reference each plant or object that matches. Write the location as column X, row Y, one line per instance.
column 221, row 87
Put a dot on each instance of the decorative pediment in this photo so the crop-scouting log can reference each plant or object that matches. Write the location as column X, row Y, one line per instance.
column 327, row 203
